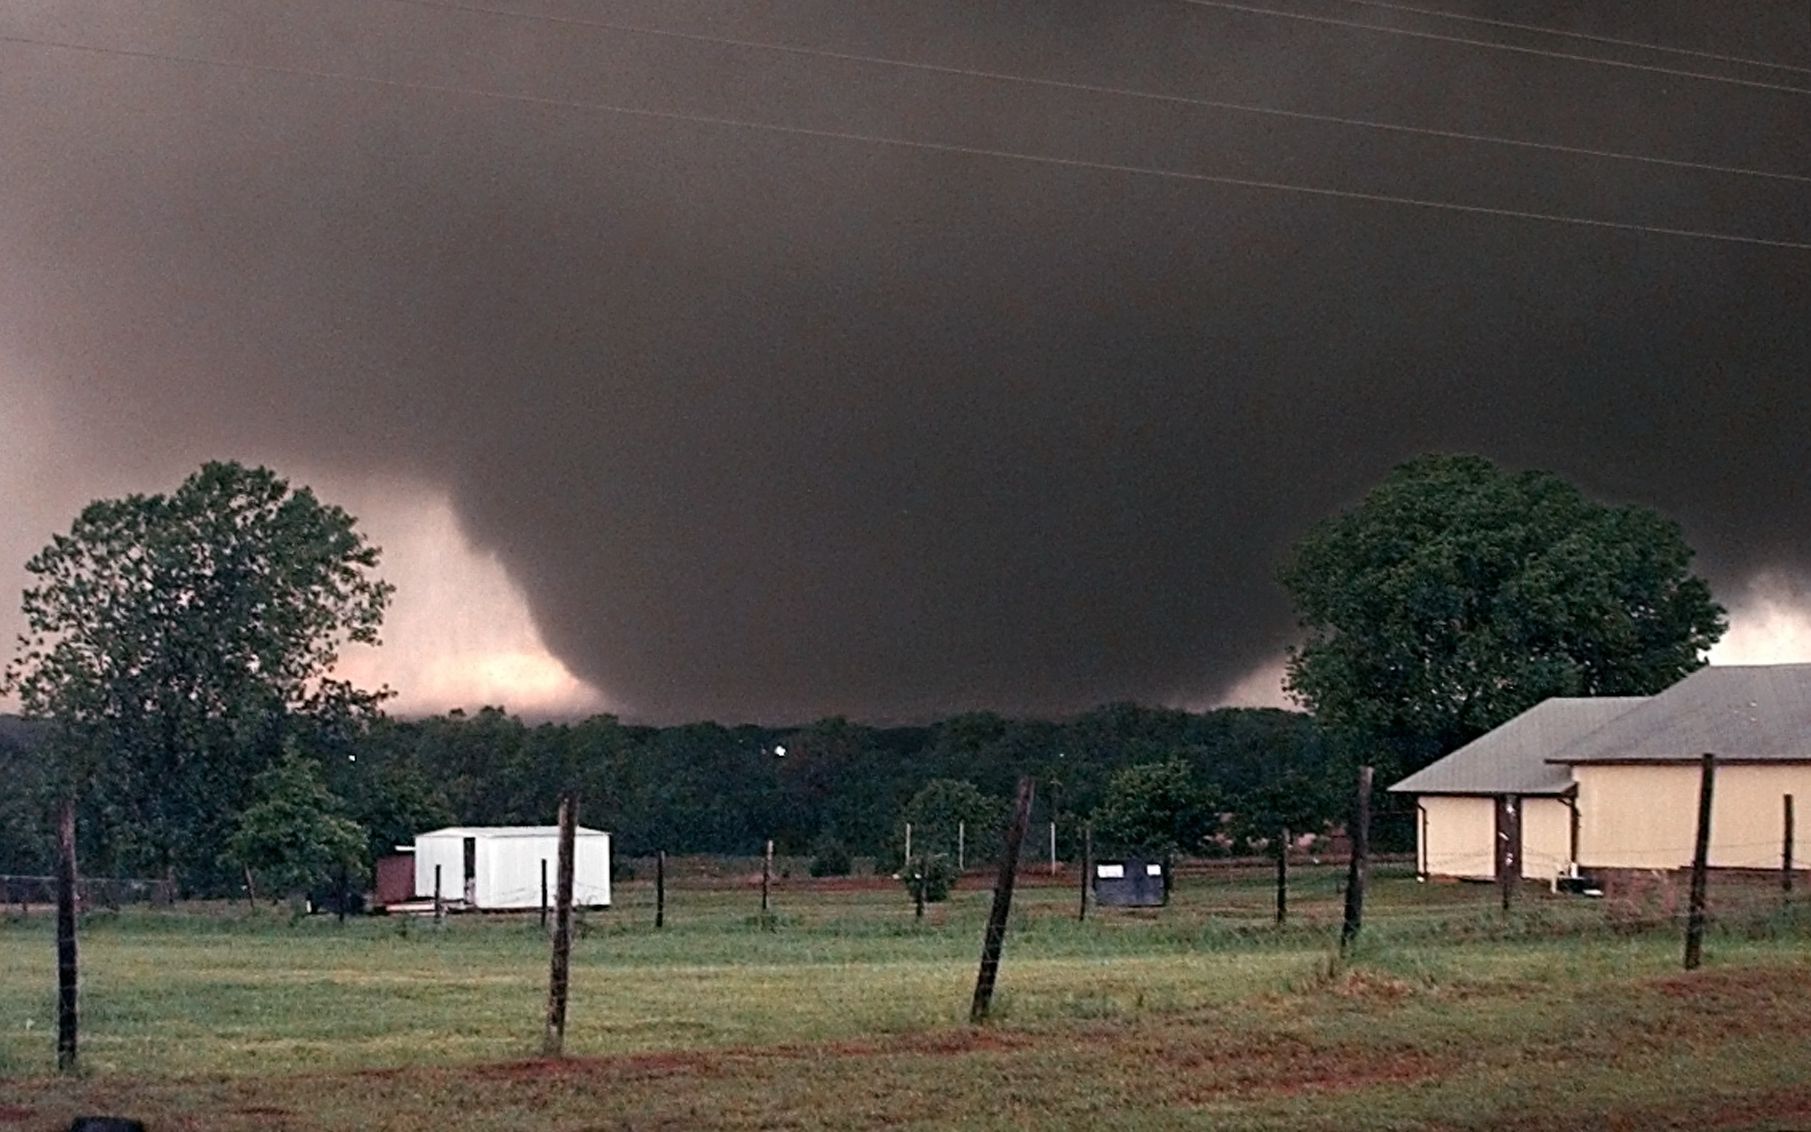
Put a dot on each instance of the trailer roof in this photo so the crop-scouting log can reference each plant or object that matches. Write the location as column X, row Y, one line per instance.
column 483, row 831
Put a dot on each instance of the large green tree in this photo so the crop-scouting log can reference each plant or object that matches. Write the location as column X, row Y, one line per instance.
column 1156, row 810
column 176, row 641
column 1457, row 595
column 296, row 836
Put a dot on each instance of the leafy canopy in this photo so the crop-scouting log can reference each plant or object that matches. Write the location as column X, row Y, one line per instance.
column 1154, row 810
column 296, row 836
column 945, row 807
column 175, row 640
column 1458, row 595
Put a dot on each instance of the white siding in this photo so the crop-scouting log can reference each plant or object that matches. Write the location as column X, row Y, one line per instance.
column 1458, row 836
column 448, row 852
column 1645, row 817
column 508, row 867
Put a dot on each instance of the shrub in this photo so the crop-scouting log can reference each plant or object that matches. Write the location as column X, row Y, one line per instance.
column 936, row 872
column 830, row 858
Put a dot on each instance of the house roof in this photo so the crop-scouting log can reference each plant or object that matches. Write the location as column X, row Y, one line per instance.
column 506, row 831
column 1513, row 758
column 1759, row 713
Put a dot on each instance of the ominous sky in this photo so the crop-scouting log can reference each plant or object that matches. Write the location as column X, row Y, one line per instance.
column 688, row 419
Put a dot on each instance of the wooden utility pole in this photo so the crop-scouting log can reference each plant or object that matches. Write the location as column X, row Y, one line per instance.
column 1283, row 876
column 660, row 890
column 1786, row 851
column 766, row 881
column 1002, row 906
column 559, row 975
column 1356, row 874
column 1694, row 918
column 543, row 894
column 66, row 955
column 1087, row 868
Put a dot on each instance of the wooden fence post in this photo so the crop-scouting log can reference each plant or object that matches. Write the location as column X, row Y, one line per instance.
column 559, row 974
column 923, row 878
column 1283, row 876
column 908, row 852
column 1359, row 869
column 1052, row 846
column 66, row 949
column 1002, row 906
column 439, row 905
column 345, row 894
column 660, row 889
column 543, row 894
column 961, row 846
column 1786, row 851
column 1087, row 868
column 1694, row 918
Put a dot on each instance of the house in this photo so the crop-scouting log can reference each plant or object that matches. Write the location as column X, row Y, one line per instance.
column 1610, row 784
column 1637, row 776
column 495, row 868
column 1499, row 793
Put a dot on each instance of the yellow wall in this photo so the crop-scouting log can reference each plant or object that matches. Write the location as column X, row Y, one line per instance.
column 1458, row 837
column 1644, row 817
column 1546, row 837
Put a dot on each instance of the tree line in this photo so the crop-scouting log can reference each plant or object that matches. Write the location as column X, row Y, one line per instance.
column 180, row 653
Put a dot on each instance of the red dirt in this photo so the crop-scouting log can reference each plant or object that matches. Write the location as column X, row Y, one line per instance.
column 11, row 1114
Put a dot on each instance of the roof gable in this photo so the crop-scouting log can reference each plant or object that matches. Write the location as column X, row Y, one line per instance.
column 1513, row 759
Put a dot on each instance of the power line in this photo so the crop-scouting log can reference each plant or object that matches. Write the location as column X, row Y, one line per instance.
column 1439, row 37
column 1612, row 41
column 1113, row 91
column 913, row 144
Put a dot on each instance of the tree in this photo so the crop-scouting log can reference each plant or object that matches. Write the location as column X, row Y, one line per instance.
column 948, row 808
column 176, row 640
column 1457, row 595
column 1155, row 810
column 296, row 836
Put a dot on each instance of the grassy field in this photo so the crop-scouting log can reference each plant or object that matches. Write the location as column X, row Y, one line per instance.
column 1567, row 1014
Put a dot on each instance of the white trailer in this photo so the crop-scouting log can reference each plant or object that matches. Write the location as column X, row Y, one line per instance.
column 499, row 867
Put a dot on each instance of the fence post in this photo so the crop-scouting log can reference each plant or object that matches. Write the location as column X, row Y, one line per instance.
column 559, row 974
column 345, row 884
column 1358, row 870
column 1002, row 906
column 1786, row 851
column 439, row 905
column 923, row 878
column 543, row 894
column 961, row 845
column 1694, row 919
column 1087, row 868
column 908, row 852
column 1283, row 876
column 66, row 949
column 1052, row 846
column 660, row 889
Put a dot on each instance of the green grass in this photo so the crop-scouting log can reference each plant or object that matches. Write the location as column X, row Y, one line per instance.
column 850, row 1013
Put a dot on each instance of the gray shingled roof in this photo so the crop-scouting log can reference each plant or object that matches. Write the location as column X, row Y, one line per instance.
column 1758, row 712
column 1513, row 758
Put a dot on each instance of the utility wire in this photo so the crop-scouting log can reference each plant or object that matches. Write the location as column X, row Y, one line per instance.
column 1439, row 37
column 911, row 144
column 1098, row 89
column 1612, row 41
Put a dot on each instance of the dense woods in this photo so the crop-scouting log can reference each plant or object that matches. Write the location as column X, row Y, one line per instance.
column 706, row 788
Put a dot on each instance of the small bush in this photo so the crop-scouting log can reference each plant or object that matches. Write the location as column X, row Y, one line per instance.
column 830, row 858
column 936, row 872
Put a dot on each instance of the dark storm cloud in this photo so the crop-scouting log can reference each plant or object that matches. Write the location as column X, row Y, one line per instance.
column 772, row 426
